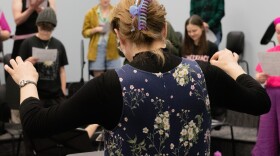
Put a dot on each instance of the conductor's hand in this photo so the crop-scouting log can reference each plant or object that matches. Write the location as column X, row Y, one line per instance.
column 20, row 70
column 227, row 61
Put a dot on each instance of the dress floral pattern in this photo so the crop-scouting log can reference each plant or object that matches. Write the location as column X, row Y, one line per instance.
column 170, row 119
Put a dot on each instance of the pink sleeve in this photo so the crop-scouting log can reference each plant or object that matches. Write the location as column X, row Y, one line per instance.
column 259, row 68
column 3, row 23
column 274, row 49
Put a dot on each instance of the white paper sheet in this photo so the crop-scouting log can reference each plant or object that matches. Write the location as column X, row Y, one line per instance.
column 44, row 54
column 43, row 4
column 270, row 62
column 211, row 36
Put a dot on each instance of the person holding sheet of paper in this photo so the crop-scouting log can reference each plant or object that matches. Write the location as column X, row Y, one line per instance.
column 102, row 49
column 52, row 76
column 25, row 13
column 268, row 140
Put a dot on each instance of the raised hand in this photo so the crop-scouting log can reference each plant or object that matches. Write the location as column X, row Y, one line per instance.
column 21, row 70
column 227, row 61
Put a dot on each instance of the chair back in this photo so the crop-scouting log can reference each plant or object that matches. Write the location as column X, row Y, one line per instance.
column 235, row 42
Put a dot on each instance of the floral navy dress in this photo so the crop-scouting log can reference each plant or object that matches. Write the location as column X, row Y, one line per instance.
column 170, row 119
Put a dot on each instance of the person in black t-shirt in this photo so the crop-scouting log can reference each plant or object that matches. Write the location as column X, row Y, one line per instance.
column 25, row 13
column 52, row 76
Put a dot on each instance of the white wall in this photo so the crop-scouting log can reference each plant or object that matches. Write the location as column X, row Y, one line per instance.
column 250, row 16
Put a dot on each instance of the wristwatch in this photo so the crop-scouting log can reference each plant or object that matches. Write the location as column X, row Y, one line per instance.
column 23, row 83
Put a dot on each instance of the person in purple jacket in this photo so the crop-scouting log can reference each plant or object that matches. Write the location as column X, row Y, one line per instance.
column 268, row 139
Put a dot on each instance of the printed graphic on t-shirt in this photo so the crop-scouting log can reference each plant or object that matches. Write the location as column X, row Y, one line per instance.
column 48, row 70
column 198, row 57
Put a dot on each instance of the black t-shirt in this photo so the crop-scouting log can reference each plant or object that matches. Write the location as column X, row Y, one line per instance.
column 49, row 83
column 211, row 50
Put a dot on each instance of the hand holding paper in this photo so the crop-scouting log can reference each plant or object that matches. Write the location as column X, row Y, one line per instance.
column 106, row 27
column 261, row 77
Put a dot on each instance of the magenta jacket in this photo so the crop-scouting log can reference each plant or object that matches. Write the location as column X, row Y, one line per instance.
column 272, row 81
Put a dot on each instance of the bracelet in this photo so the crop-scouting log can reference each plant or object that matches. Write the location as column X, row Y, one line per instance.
column 23, row 83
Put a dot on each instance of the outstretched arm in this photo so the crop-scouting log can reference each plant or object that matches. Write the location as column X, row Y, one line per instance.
column 230, row 87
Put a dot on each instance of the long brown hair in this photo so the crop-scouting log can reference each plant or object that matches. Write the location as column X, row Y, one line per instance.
column 188, row 43
column 123, row 21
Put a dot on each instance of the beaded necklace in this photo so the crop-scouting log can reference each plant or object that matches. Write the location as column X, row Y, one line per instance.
column 101, row 17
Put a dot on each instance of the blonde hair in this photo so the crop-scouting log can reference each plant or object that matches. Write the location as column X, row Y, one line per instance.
column 123, row 21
